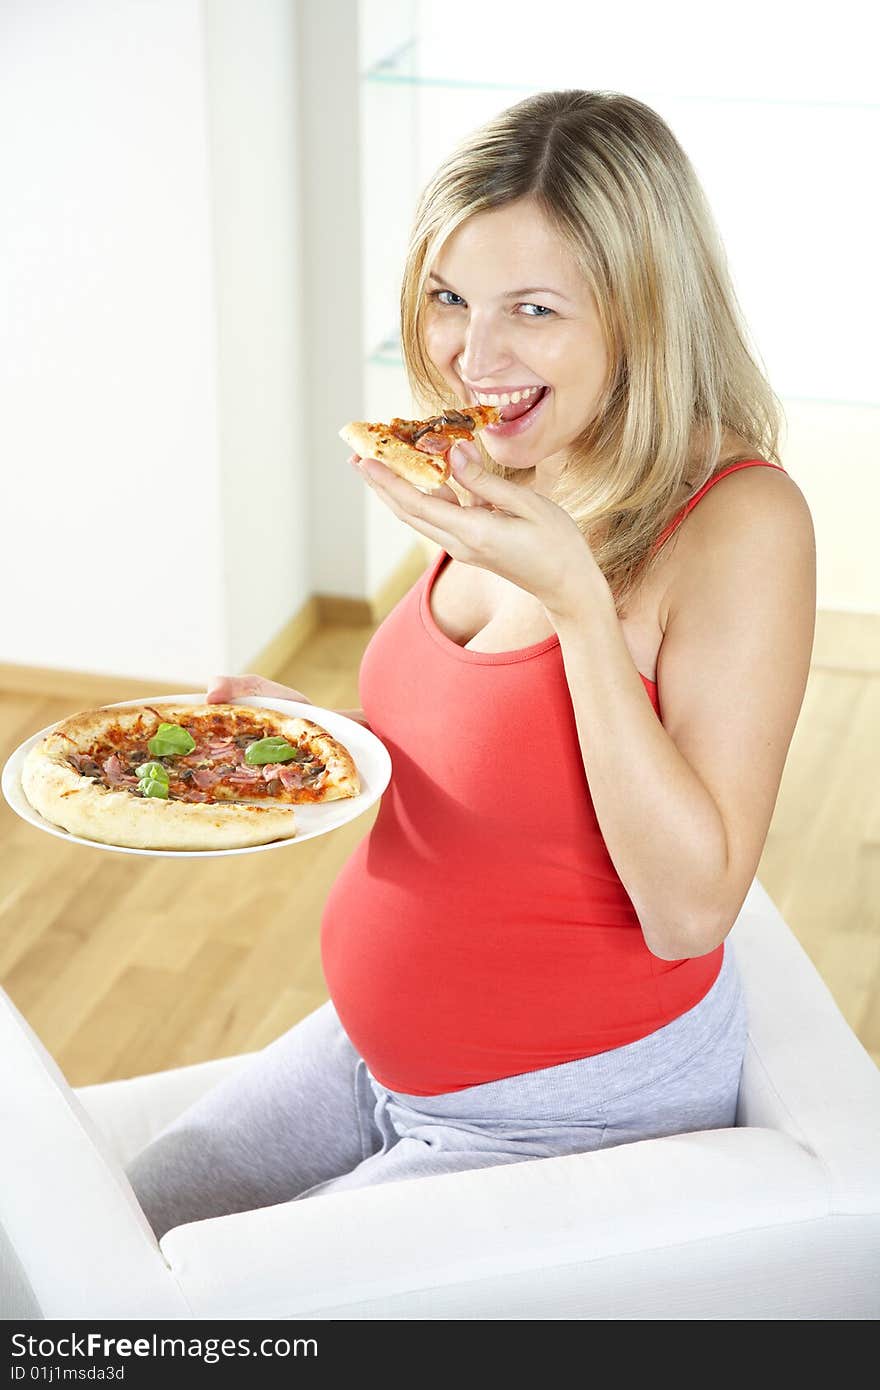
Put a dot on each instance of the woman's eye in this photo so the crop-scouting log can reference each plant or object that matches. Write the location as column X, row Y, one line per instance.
column 543, row 310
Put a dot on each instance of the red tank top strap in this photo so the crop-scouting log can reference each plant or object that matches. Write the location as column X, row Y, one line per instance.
column 692, row 501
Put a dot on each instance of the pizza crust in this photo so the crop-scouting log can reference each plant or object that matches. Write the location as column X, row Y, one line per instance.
column 93, row 812
column 342, row 776
column 376, row 442
column 116, row 816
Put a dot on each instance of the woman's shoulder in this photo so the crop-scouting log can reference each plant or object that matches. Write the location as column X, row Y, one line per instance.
column 755, row 519
column 737, row 495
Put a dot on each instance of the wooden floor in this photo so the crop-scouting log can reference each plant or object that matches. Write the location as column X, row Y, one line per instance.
column 126, row 965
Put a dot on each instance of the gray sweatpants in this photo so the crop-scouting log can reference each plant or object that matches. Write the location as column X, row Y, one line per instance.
column 305, row 1117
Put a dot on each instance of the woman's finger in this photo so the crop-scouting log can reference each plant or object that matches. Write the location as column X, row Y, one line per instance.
column 457, row 528
column 461, row 495
column 224, row 688
column 444, row 492
column 413, row 512
column 488, row 490
column 450, row 491
column 227, row 689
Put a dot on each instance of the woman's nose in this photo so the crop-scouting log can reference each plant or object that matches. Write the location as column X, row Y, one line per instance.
column 484, row 357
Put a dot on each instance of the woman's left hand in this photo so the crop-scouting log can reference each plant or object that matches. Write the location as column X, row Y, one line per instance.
column 509, row 529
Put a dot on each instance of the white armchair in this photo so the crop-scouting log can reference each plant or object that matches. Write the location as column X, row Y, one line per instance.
column 777, row 1218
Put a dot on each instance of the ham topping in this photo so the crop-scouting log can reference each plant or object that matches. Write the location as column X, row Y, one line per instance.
column 434, row 436
column 116, row 774
column 205, row 777
column 439, row 433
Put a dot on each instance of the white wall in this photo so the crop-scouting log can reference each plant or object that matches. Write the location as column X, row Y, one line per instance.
column 333, row 290
column 389, row 170
column 155, row 423
column 254, row 179
column 111, row 557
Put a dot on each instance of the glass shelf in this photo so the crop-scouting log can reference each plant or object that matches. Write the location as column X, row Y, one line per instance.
column 388, row 353
column 409, row 65
column 421, row 63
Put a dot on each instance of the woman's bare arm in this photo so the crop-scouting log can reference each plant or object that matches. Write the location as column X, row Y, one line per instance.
column 685, row 805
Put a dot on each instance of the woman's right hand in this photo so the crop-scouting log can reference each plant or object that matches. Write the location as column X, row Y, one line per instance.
column 228, row 689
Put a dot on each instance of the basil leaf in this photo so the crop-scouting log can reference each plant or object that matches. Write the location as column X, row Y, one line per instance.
column 270, row 750
column 170, row 739
column 153, row 786
column 155, row 770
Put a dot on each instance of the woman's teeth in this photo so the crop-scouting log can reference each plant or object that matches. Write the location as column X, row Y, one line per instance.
column 507, row 399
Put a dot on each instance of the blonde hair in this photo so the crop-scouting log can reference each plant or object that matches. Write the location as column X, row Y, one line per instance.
column 613, row 182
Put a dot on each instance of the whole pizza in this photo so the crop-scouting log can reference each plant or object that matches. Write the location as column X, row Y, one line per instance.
column 184, row 777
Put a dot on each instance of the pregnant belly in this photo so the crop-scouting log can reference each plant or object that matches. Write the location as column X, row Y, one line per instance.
column 439, row 988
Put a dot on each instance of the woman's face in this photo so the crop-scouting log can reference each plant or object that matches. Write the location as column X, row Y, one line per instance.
column 507, row 310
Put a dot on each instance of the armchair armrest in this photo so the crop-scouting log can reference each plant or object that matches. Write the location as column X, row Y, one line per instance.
column 297, row 1259
column 805, row 1072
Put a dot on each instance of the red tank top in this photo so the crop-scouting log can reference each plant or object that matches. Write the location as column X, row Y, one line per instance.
column 480, row 929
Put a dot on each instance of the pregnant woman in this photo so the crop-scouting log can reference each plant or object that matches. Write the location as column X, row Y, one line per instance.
column 588, row 699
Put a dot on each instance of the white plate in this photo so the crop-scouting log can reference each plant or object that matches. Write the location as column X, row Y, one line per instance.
column 370, row 755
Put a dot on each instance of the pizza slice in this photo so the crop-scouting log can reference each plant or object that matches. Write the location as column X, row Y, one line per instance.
column 418, row 450
column 185, row 776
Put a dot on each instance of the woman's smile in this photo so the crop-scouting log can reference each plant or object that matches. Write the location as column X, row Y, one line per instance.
column 520, row 416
